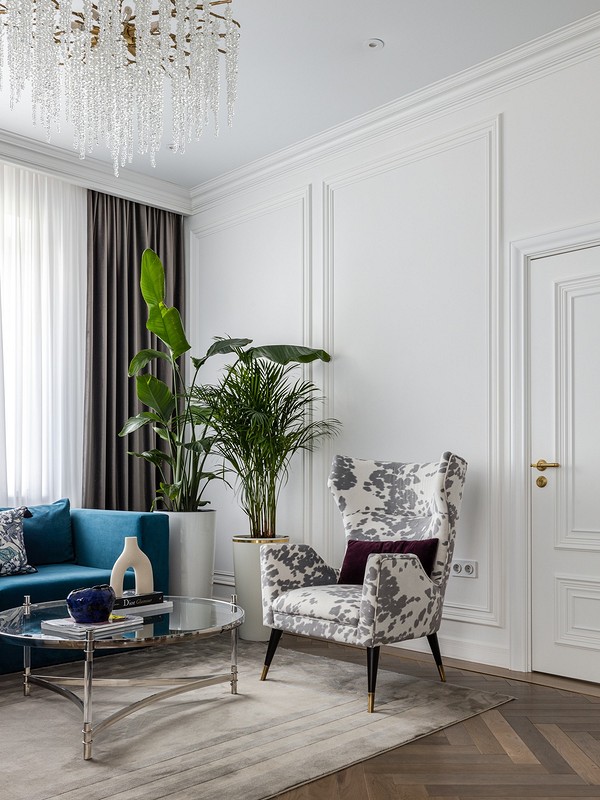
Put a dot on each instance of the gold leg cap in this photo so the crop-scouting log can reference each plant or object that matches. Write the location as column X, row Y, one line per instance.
column 263, row 676
column 442, row 673
column 371, row 702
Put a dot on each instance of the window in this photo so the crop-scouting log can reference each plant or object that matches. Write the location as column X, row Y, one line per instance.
column 42, row 337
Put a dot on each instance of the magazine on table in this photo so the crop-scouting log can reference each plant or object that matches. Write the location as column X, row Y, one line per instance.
column 78, row 630
column 149, row 610
column 130, row 599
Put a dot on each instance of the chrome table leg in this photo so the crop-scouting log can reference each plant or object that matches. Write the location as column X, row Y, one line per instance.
column 88, row 675
column 26, row 651
column 234, row 649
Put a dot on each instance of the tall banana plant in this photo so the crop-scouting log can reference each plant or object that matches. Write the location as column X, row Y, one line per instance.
column 181, row 423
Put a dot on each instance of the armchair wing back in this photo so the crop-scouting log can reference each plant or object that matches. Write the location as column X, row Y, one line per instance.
column 381, row 500
column 397, row 599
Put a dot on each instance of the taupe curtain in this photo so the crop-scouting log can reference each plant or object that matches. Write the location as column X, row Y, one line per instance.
column 118, row 233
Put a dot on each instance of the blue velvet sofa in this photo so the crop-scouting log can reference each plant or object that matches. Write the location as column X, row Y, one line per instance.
column 72, row 548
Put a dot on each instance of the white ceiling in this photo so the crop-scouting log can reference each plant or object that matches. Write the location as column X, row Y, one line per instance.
column 304, row 68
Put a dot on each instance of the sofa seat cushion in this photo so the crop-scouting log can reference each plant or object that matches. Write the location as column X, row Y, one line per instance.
column 53, row 582
column 335, row 603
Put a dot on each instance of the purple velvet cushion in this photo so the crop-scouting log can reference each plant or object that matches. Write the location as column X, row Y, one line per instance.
column 357, row 552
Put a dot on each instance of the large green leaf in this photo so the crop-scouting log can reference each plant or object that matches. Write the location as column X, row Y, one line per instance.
column 144, row 357
column 156, row 394
column 176, row 339
column 166, row 323
column 141, row 419
column 163, row 321
column 226, row 345
column 152, row 280
column 156, row 457
column 287, row 353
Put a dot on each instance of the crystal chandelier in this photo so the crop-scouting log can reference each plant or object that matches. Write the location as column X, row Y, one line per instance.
column 109, row 65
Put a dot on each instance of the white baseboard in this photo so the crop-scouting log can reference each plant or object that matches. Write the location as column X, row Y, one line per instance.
column 462, row 650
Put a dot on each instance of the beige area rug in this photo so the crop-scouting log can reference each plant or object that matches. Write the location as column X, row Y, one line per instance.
column 307, row 720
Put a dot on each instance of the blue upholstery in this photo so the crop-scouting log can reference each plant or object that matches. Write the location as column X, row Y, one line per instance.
column 47, row 533
column 52, row 582
column 98, row 537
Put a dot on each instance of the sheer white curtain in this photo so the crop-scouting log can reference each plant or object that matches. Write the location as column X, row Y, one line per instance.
column 43, row 254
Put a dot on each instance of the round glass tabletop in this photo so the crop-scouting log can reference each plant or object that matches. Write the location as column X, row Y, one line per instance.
column 189, row 617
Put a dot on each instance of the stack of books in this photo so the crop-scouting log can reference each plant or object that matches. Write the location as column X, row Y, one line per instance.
column 79, row 630
column 146, row 604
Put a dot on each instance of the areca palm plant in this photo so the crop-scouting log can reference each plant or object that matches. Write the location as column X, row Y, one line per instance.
column 261, row 415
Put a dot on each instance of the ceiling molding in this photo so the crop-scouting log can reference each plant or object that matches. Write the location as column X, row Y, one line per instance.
column 92, row 174
column 571, row 44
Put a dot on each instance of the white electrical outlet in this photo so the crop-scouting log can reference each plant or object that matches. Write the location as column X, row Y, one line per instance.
column 464, row 568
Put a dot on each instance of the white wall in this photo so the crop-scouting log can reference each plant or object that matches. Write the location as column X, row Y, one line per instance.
column 389, row 246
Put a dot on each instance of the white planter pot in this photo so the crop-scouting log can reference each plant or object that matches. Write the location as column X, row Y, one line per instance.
column 246, row 565
column 191, row 553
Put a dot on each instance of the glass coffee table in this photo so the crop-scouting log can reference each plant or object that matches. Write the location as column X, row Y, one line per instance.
column 190, row 618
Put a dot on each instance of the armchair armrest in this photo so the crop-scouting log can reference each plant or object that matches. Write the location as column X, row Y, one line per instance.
column 399, row 600
column 98, row 537
column 290, row 566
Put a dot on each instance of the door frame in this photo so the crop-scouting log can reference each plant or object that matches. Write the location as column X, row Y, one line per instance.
column 518, row 483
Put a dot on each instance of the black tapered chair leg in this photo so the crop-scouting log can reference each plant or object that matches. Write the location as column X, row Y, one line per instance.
column 372, row 664
column 435, row 649
column 271, row 648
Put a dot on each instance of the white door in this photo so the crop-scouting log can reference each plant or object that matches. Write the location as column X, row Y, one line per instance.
column 565, row 429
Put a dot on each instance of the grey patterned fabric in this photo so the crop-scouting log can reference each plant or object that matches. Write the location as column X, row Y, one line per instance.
column 13, row 558
column 397, row 601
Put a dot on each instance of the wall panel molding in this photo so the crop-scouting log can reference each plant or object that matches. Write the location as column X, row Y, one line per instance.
column 491, row 613
column 301, row 200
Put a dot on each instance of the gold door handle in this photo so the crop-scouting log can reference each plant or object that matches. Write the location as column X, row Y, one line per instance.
column 541, row 464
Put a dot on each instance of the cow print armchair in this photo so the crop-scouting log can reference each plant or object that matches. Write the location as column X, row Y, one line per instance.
column 399, row 521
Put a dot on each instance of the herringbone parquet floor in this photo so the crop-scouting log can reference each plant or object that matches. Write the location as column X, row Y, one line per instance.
column 544, row 744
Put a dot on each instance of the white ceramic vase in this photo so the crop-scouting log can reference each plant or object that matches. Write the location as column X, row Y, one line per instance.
column 246, row 566
column 191, row 553
column 132, row 556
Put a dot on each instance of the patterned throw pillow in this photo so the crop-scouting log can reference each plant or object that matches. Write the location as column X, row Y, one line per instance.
column 13, row 558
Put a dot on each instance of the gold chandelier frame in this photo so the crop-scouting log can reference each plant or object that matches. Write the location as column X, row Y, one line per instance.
column 129, row 29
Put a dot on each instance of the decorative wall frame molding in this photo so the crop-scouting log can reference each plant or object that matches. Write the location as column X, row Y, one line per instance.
column 301, row 198
column 490, row 613
column 518, row 492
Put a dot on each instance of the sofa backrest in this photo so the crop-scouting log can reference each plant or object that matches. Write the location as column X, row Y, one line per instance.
column 47, row 533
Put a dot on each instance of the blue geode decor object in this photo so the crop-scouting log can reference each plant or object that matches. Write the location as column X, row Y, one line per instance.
column 93, row 604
